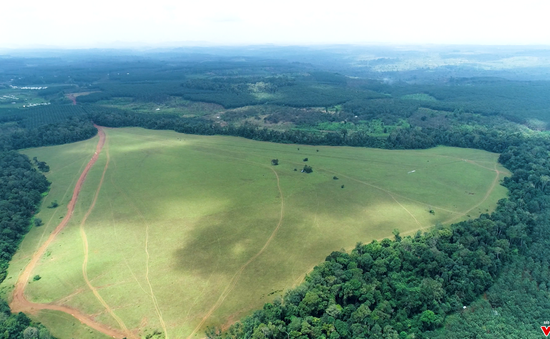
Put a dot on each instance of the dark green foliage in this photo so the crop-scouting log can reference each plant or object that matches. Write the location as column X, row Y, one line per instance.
column 307, row 169
column 53, row 204
column 69, row 130
column 21, row 187
column 19, row 326
column 41, row 165
column 38, row 222
column 35, row 117
column 275, row 162
column 36, row 278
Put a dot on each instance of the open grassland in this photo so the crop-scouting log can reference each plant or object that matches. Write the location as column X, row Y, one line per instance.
column 172, row 105
column 190, row 231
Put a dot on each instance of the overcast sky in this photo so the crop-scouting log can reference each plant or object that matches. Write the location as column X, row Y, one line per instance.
column 101, row 23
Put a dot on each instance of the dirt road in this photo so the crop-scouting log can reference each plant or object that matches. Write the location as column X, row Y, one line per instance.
column 20, row 303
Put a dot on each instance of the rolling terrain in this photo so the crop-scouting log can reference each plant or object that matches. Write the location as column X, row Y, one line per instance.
column 175, row 232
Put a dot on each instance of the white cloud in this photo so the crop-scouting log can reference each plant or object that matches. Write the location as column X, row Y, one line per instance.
column 85, row 23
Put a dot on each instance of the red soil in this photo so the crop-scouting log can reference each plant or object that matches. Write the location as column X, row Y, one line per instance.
column 20, row 302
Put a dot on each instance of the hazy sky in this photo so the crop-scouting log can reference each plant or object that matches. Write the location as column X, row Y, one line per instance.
column 107, row 22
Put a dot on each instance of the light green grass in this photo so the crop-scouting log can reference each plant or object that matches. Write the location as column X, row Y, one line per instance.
column 207, row 205
column 419, row 96
column 173, row 105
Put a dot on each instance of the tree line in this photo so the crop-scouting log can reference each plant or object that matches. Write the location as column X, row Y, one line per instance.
column 21, row 189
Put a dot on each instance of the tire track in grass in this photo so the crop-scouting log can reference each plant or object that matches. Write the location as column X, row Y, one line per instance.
column 485, row 197
column 151, row 292
column 116, row 233
column 237, row 275
column 20, row 303
column 397, row 201
column 153, row 297
column 390, row 193
column 86, row 251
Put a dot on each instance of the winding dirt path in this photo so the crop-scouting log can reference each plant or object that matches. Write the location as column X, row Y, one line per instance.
column 20, row 302
column 86, row 252
column 72, row 98
column 237, row 274
column 485, row 197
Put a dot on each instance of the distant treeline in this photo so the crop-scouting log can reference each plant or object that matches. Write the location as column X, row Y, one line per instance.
column 403, row 138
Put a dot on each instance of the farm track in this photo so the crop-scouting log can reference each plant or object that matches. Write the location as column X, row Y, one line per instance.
column 151, row 292
column 237, row 275
column 20, row 303
column 86, row 252
column 487, row 194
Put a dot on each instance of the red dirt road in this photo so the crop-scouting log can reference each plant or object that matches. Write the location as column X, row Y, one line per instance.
column 20, row 303
column 72, row 98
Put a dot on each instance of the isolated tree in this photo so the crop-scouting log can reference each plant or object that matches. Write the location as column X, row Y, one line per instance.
column 42, row 166
column 37, row 222
column 274, row 162
column 306, row 159
column 307, row 169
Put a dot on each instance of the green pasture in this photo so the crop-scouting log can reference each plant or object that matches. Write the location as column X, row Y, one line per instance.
column 172, row 105
column 419, row 96
column 186, row 225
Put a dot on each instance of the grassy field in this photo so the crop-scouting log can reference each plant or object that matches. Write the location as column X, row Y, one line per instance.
column 174, row 105
column 190, row 231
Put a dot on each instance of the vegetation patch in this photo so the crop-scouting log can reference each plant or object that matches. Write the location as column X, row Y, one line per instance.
column 419, row 96
column 198, row 229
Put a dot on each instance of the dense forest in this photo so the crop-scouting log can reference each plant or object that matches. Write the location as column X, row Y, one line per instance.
column 450, row 282
column 21, row 189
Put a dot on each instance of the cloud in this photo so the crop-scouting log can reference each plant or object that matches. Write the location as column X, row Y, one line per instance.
column 65, row 23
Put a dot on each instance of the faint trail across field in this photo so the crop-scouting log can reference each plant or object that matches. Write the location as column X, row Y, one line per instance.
column 20, row 303
column 151, row 293
column 236, row 276
column 397, row 201
column 487, row 194
column 85, row 262
column 153, row 297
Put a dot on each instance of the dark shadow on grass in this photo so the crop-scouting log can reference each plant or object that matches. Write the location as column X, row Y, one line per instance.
column 223, row 242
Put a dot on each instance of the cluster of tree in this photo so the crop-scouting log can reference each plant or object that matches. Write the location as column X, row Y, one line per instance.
column 41, row 165
column 66, row 131
column 400, row 138
column 21, row 188
column 19, row 326
column 40, row 115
